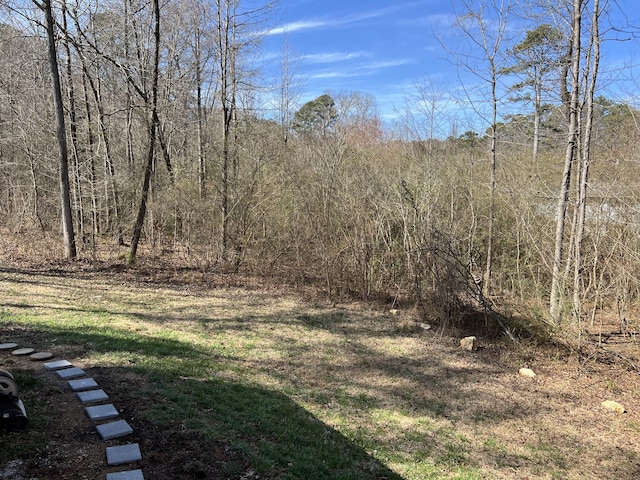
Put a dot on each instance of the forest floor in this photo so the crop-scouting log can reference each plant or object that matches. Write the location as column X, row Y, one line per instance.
column 192, row 361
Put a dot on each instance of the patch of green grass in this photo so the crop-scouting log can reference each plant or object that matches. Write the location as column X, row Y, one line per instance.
column 278, row 436
column 501, row 455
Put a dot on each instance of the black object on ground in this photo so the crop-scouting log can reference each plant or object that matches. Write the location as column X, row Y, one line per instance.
column 13, row 415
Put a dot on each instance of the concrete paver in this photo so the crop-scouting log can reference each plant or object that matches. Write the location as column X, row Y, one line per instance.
column 102, row 412
column 72, row 372
column 115, row 429
column 82, row 384
column 128, row 475
column 58, row 364
column 92, row 396
column 87, row 392
column 123, row 454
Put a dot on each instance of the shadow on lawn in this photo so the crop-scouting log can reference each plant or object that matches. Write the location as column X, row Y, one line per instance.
column 194, row 419
column 276, row 437
column 214, row 428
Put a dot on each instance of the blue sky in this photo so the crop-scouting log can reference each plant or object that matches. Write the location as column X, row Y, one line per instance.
column 384, row 47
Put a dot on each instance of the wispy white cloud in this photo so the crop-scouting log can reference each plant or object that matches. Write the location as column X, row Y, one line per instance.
column 387, row 64
column 299, row 25
column 340, row 22
column 358, row 69
column 334, row 74
column 332, row 57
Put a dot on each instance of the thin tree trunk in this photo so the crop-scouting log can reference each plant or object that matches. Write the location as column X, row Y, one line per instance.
column 36, row 190
column 586, row 159
column 165, row 154
column 91, row 149
column 486, row 286
column 202, row 172
column 225, row 58
column 110, row 218
column 557, row 283
column 129, row 108
column 65, row 196
column 76, row 180
column 153, row 127
column 536, row 119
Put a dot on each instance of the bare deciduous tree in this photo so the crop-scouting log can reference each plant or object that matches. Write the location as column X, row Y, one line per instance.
column 486, row 28
column 65, row 189
column 153, row 128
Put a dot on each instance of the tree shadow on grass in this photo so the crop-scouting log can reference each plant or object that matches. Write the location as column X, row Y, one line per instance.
column 213, row 428
column 277, row 438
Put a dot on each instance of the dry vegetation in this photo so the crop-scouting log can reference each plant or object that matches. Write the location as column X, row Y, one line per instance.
column 272, row 252
column 412, row 400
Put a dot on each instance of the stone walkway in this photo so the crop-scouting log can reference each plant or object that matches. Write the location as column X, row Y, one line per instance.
column 90, row 394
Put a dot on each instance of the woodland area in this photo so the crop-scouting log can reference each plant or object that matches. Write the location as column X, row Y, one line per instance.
column 139, row 123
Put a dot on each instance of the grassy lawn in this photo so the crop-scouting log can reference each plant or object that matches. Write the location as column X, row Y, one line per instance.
column 301, row 391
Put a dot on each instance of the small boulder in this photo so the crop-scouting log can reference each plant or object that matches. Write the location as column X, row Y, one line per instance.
column 527, row 372
column 613, row 406
column 468, row 343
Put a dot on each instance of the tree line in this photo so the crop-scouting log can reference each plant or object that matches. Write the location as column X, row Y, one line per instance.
column 139, row 123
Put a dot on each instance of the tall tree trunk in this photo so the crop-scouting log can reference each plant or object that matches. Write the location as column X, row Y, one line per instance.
column 536, row 117
column 486, row 286
column 557, row 283
column 65, row 196
column 153, row 128
column 225, row 52
column 130, row 90
column 73, row 130
column 91, row 147
column 581, row 205
column 202, row 171
column 165, row 153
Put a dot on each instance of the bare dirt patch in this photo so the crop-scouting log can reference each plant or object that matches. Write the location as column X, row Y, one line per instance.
column 72, row 449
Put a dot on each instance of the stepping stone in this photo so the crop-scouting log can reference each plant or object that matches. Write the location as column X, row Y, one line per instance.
column 23, row 351
column 114, row 429
column 82, row 384
column 41, row 356
column 123, row 454
column 128, row 475
column 73, row 372
column 102, row 412
column 8, row 346
column 92, row 396
column 57, row 365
